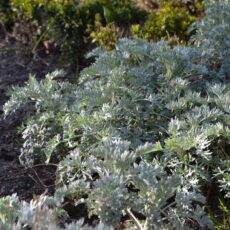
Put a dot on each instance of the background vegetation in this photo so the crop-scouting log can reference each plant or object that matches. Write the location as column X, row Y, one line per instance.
column 71, row 28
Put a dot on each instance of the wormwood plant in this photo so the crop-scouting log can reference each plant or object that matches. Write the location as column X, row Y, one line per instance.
column 36, row 215
column 144, row 131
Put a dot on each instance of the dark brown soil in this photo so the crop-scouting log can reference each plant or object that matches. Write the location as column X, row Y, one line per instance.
column 16, row 63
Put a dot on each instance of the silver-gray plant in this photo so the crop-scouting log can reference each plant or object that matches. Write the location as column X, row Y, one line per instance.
column 145, row 128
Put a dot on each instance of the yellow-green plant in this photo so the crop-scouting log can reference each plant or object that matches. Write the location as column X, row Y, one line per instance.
column 106, row 36
column 221, row 218
column 169, row 21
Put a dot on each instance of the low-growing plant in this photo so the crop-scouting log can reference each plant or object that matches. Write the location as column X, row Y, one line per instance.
column 41, row 213
column 144, row 131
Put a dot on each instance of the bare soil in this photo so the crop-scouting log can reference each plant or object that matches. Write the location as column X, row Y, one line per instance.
column 16, row 64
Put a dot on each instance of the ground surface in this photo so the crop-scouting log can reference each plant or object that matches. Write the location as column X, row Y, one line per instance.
column 15, row 66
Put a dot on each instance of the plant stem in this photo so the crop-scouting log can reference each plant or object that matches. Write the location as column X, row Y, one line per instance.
column 135, row 220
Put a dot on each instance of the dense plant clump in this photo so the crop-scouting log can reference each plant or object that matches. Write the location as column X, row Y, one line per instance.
column 142, row 135
column 168, row 22
column 36, row 215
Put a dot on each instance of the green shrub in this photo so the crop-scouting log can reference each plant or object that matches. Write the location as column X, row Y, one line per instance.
column 123, row 13
column 106, row 36
column 109, row 123
column 115, row 22
column 170, row 21
column 70, row 30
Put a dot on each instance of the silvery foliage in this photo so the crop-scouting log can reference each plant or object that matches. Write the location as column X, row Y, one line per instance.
column 41, row 213
column 214, row 39
column 144, row 126
column 15, row 214
column 123, row 183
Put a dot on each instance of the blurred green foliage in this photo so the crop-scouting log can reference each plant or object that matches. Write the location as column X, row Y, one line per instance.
column 4, row 11
column 62, row 23
column 123, row 12
column 73, row 27
column 67, row 24
column 222, row 218
column 105, row 35
column 169, row 22
column 70, row 29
